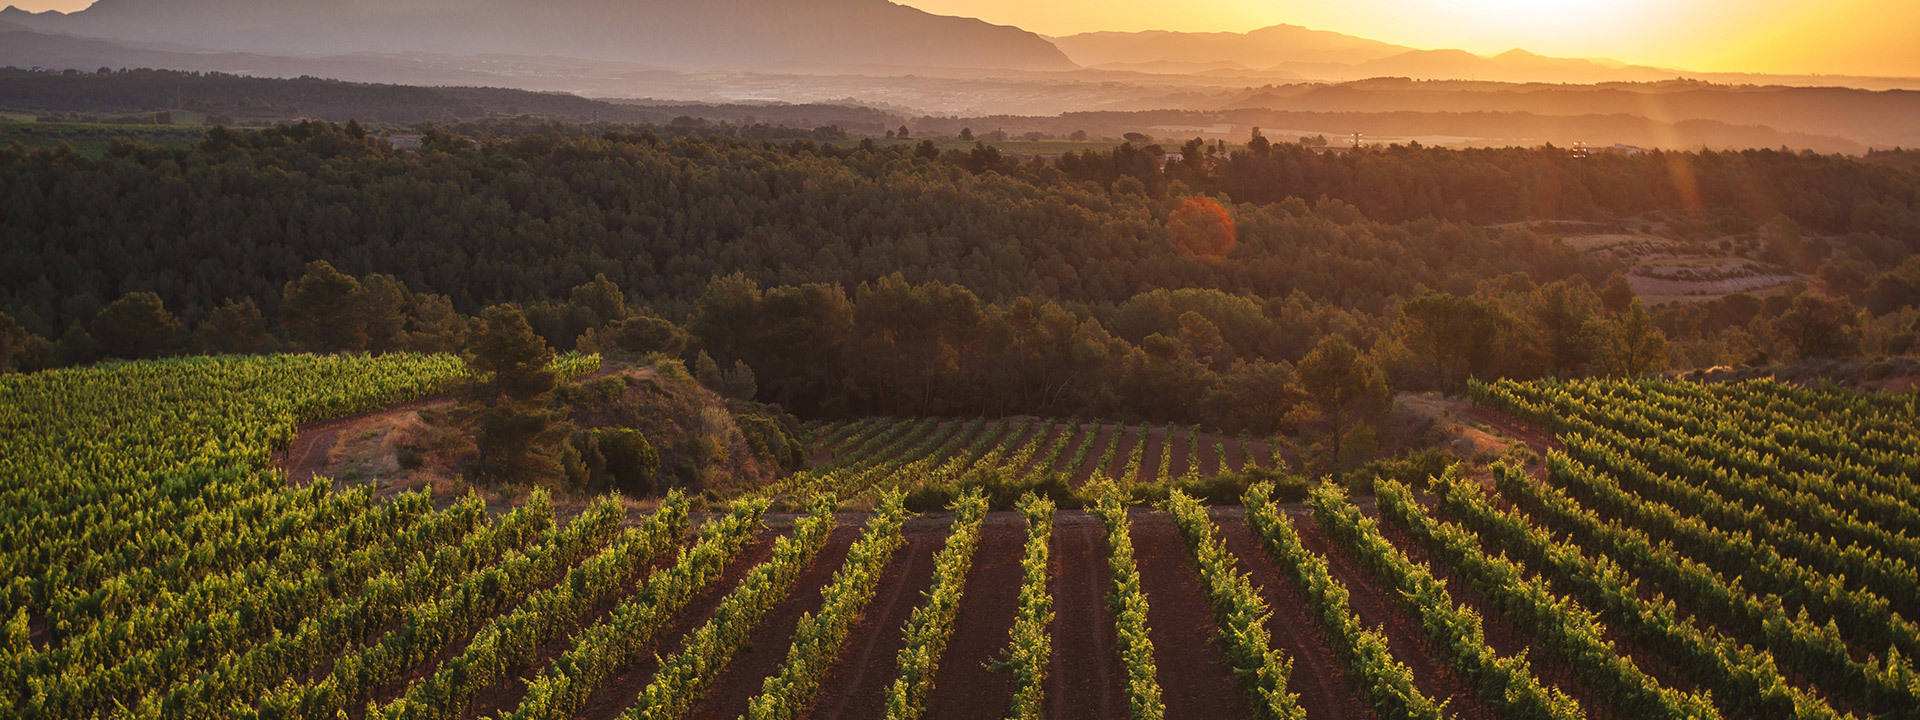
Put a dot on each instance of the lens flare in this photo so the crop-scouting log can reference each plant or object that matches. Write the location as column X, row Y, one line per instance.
column 1202, row 229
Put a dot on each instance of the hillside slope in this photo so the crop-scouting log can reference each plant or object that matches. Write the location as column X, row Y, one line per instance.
column 768, row 34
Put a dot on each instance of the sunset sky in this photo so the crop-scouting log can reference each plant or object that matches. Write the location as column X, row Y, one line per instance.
column 1859, row 37
column 1874, row 37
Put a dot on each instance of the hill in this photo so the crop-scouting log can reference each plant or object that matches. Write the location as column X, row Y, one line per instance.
column 239, row 98
column 1263, row 48
column 785, row 34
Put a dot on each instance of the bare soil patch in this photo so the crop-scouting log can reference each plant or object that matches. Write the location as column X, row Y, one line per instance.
column 857, row 687
column 1150, row 456
column 965, row 687
column 1124, row 450
column 1086, row 680
column 1195, row 679
column 1236, row 458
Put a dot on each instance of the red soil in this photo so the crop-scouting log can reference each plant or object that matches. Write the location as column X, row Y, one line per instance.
column 1195, row 679
column 1150, row 458
column 743, row 678
column 857, row 687
column 618, row 692
column 1236, row 458
column 1086, row 680
column 1210, row 460
column 1073, row 446
column 1540, row 441
column 1404, row 633
column 313, row 443
column 1103, row 436
column 1182, row 455
column 1124, row 450
column 1052, row 430
column 1319, row 677
column 964, row 687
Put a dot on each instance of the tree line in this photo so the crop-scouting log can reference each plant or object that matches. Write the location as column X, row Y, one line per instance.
column 846, row 280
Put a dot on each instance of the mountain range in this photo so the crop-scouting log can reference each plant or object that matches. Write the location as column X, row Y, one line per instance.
column 761, row 34
column 861, row 37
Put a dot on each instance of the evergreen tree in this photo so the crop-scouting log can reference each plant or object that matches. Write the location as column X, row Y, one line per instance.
column 517, row 432
column 137, row 327
column 326, row 310
column 1345, row 386
column 235, row 328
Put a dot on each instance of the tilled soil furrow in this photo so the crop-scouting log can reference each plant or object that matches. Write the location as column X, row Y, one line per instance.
column 1319, row 677
column 618, row 692
column 744, row 677
column 1195, row 679
column 965, row 687
column 1405, row 636
column 857, row 688
column 1505, row 637
column 1086, row 680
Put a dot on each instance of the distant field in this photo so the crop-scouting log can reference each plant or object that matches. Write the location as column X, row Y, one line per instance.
column 91, row 139
column 1012, row 147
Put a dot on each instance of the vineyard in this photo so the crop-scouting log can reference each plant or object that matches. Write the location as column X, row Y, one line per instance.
column 1691, row 551
column 865, row 459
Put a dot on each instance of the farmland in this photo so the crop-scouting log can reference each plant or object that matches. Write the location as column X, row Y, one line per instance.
column 1690, row 550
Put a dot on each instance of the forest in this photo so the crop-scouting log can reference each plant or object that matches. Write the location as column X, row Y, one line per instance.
column 1200, row 285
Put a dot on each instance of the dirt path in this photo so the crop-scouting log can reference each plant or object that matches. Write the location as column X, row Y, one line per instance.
column 1150, row 457
column 1195, row 679
column 964, row 687
column 1537, row 440
column 1404, row 633
column 1086, row 680
column 857, row 687
column 745, row 676
column 313, row 443
column 1320, row 678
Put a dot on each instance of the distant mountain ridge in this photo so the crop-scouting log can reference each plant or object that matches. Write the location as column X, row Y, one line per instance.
column 1325, row 55
column 1262, row 48
column 783, row 34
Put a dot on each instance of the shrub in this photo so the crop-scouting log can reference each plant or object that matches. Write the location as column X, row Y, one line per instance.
column 629, row 461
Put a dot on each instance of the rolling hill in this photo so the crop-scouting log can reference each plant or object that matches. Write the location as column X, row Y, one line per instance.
column 743, row 34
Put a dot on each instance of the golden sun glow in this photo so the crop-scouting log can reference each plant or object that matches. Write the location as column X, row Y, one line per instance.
column 1500, row 17
column 1858, row 37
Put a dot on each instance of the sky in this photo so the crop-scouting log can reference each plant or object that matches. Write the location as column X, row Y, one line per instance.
column 1857, row 37
column 1842, row 37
